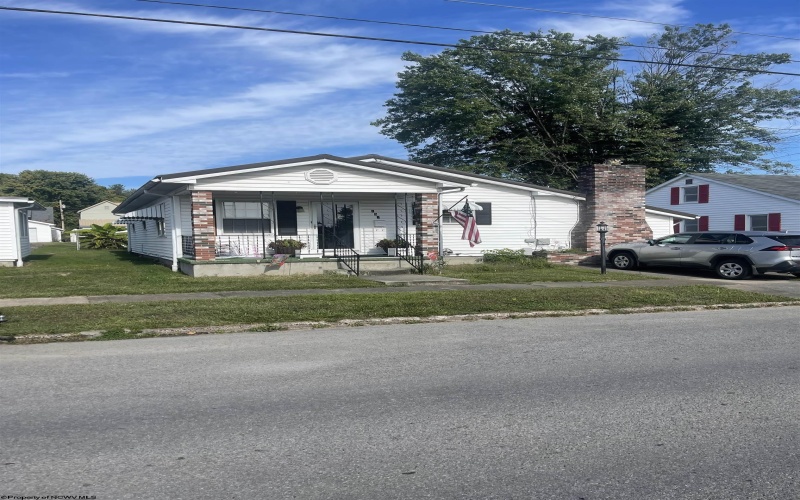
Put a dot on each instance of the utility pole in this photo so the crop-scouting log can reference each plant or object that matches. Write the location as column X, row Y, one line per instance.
column 61, row 208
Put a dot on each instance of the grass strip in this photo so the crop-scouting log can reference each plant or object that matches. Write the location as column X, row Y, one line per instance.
column 508, row 272
column 333, row 307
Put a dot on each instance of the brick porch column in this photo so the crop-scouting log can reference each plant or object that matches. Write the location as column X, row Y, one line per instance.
column 427, row 210
column 203, row 225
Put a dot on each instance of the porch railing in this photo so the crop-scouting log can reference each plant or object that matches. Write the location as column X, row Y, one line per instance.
column 346, row 255
column 409, row 254
column 187, row 246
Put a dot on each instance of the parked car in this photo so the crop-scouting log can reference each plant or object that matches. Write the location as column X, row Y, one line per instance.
column 731, row 254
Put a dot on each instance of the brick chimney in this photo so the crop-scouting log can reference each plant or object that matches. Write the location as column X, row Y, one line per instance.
column 614, row 195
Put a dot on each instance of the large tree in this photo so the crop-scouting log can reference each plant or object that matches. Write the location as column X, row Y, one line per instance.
column 76, row 191
column 537, row 106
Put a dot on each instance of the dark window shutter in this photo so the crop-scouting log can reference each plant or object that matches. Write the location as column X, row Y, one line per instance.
column 738, row 222
column 774, row 222
column 484, row 217
column 702, row 195
column 675, row 196
column 676, row 226
column 703, row 224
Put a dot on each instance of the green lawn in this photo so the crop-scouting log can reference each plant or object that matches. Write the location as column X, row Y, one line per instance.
column 114, row 318
column 58, row 270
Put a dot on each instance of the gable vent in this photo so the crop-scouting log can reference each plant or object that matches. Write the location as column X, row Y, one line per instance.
column 321, row 176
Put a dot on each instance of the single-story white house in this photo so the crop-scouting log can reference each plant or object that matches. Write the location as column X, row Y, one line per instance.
column 732, row 202
column 14, row 233
column 43, row 232
column 342, row 207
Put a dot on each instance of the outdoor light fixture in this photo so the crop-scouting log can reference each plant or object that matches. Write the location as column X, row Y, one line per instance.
column 300, row 209
column 602, row 228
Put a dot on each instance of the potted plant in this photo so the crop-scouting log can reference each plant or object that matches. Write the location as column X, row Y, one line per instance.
column 287, row 246
column 390, row 245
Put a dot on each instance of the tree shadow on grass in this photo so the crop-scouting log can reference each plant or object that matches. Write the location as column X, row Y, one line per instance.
column 132, row 258
column 38, row 256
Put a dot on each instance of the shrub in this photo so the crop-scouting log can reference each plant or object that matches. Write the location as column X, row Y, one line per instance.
column 388, row 243
column 107, row 236
column 538, row 259
column 287, row 246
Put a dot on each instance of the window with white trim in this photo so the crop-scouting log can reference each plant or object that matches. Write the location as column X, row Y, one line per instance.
column 161, row 227
column 245, row 217
column 690, row 225
column 690, row 195
column 759, row 222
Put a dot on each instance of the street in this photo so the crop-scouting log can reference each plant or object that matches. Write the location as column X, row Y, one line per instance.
column 683, row 405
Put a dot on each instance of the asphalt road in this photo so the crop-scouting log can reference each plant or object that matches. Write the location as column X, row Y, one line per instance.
column 693, row 405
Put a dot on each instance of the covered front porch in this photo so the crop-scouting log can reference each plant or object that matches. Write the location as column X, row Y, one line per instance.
column 343, row 227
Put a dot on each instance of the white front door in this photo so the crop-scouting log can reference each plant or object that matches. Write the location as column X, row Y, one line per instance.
column 337, row 221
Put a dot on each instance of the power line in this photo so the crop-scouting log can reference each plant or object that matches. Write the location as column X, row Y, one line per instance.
column 388, row 40
column 395, row 23
column 606, row 17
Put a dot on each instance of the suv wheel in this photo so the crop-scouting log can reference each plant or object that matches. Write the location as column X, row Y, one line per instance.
column 623, row 260
column 732, row 269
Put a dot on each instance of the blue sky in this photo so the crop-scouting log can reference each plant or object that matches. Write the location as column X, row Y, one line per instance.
column 123, row 101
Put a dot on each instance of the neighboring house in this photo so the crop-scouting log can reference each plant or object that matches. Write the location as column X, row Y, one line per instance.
column 42, row 232
column 99, row 213
column 14, row 233
column 327, row 201
column 732, row 202
column 45, row 215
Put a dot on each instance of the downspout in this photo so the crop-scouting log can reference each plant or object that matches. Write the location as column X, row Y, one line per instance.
column 177, row 236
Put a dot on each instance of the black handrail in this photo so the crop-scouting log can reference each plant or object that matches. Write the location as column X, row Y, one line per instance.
column 409, row 254
column 346, row 255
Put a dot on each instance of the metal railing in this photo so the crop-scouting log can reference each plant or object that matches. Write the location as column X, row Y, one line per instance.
column 187, row 246
column 409, row 254
column 346, row 255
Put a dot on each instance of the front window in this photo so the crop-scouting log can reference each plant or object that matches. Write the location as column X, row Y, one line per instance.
column 690, row 195
column 245, row 217
column 690, row 225
column 759, row 223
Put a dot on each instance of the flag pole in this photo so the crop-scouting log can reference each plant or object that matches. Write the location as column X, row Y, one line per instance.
column 451, row 207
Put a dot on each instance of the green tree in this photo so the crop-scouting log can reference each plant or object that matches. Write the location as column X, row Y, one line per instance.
column 536, row 107
column 695, row 118
column 76, row 191
column 107, row 236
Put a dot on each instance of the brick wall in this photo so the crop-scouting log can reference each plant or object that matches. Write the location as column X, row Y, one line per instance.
column 203, row 225
column 614, row 195
column 427, row 207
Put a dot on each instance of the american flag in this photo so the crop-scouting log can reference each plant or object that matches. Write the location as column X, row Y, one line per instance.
column 467, row 220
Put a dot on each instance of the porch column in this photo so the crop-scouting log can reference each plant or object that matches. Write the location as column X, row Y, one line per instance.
column 426, row 212
column 203, row 225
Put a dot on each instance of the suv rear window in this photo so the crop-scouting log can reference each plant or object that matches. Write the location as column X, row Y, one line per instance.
column 743, row 240
column 787, row 239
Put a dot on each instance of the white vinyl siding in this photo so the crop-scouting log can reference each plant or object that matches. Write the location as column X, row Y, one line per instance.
column 294, row 179
column 726, row 201
column 516, row 216
column 8, row 236
column 145, row 238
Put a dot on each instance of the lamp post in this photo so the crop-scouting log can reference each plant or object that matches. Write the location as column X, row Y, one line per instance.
column 602, row 228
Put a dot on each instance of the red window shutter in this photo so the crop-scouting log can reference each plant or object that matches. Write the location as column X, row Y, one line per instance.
column 675, row 196
column 702, row 193
column 676, row 226
column 738, row 222
column 774, row 222
column 702, row 225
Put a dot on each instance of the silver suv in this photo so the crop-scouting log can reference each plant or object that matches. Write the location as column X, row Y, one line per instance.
column 732, row 254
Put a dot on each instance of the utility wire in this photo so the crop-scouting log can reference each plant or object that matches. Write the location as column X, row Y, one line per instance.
column 394, row 23
column 388, row 40
column 604, row 17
